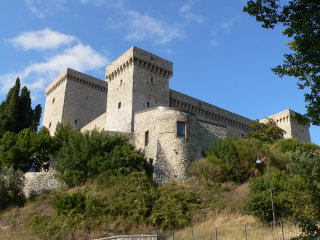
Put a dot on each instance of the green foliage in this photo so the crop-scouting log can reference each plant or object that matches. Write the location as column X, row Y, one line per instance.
column 131, row 197
column 209, row 170
column 291, row 145
column 172, row 209
column 16, row 112
column 70, row 204
column 267, row 132
column 305, row 164
column 294, row 199
column 87, row 155
column 233, row 159
column 11, row 184
column 26, row 149
column 301, row 21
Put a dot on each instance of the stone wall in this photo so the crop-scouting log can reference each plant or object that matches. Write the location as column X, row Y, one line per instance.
column 170, row 154
column 99, row 123
column 237, row 125
column 38, row 182
column 293, row 129
column 74, row 97
column 137, row 80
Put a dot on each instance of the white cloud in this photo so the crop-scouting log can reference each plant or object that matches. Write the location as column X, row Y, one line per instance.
column 37, row 75
column 186, row 12
column 43, row 39
column 41, row 8
column 142, row 27
column 228, row 24
column 109, row 3
column 79, row 57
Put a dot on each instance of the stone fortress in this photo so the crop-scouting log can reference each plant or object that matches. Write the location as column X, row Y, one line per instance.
column 172, row 128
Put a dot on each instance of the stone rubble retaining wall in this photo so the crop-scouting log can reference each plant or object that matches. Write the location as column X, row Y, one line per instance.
column 39, row 182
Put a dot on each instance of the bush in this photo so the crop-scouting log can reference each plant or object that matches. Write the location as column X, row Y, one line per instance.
column 70, row 204
column 87, row 155
column 291, row 145
column 233, row 158
column 172, row 209
column 294, row 199
column 305, row 164
column 131, row 197
column 11, row 185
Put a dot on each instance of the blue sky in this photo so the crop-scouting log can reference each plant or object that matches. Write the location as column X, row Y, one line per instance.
column 220, row 54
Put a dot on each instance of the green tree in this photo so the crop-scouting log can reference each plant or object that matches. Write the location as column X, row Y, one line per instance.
column 267, row 132
column 26, row 149
column 16, row 112
column 294, row 199
column 11, row 184
column 301, row 20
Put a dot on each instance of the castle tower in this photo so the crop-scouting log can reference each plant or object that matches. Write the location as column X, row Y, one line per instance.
column 74, row 97
column 137, row 80
column 286, row 121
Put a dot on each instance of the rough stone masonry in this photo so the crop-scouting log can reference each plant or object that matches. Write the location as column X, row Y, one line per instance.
column 172, row 128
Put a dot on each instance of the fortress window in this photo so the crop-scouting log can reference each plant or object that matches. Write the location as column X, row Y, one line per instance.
column 75, row 121
column 148, row 104
column 151, row 80
column 53, row 100
column 119, row 105
column 151, row 161
column 146, row 138
column 49, row 124
column 181, row 129
column 120, row 82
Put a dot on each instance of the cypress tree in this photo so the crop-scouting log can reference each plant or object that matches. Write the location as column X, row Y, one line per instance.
column 16, row 112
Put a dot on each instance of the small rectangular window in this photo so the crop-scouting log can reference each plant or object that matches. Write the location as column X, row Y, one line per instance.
column 148, row 104
column 181, row 129
column 75, row 121
column 146, row 138
column 119, row 105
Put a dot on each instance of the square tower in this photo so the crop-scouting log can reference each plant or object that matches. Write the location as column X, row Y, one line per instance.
column 137, row 80
column 74, row 97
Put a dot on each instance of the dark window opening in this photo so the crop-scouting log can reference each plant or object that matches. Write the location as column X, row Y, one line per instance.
column 151, row 161
column 75, row 121
column 181, row 129
column 119, row 105
column 151, row 80
column 50, row 125
column 148, row 104
column 120, row 82
column 146, row 138
column 53, row 100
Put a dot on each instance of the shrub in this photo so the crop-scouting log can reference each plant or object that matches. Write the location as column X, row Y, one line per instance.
column 209, row 170
column 87, row 155
column 131, row 197
column 305, row 164
column 233, row 158
column 294, row 199
column 11, row 184
column 172, row 209
column 291, row 145
column 70, row 204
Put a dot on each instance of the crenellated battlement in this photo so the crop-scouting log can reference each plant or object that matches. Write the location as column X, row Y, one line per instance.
column 70, row 74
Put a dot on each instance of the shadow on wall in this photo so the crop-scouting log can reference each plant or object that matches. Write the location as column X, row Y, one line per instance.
column 163, row 171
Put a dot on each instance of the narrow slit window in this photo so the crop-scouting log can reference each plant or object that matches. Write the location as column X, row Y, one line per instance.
column 151, row 80
column 49, row 124
column 146, row 138
column 53, row 100
column 75, row 121
column 148, row 104
column 119, row 105
column 181, row 129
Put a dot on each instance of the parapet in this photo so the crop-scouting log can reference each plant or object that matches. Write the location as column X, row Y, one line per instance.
column 142, row 58
column 74, row 75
